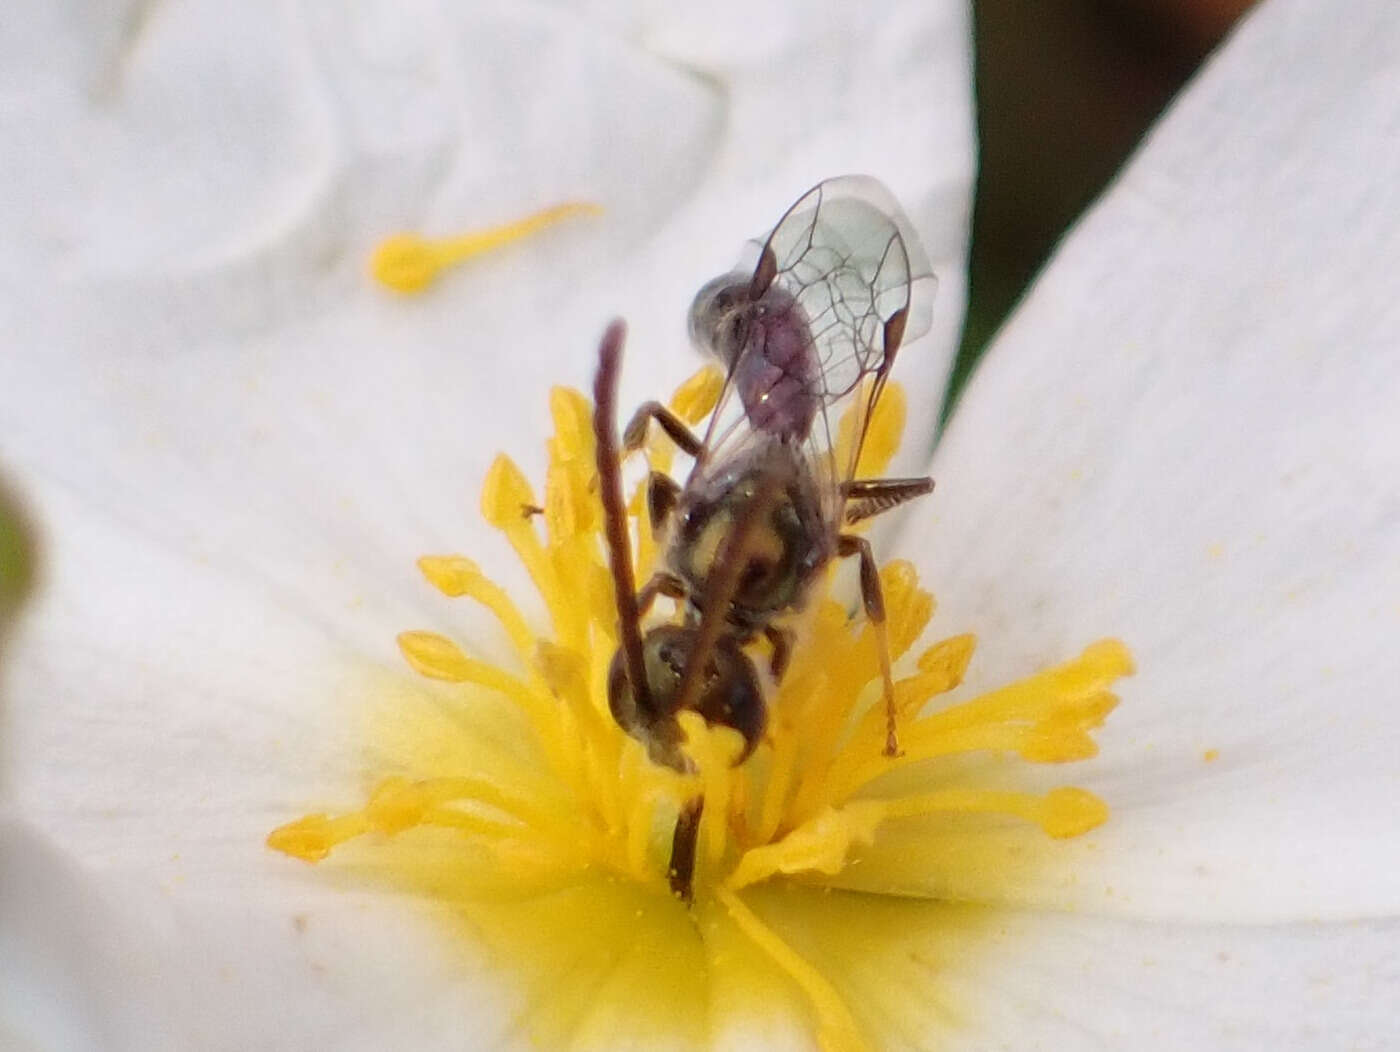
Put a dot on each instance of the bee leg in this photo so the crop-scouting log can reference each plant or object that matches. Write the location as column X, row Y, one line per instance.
column 680, row 874
column 667, row 584
column 663, row 493
column 869, row 497
column 873, row 596
column 634, row 435
column 781, row 639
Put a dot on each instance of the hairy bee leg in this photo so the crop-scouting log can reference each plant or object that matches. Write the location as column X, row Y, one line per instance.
column 667, row 584
column 869, row 497
column 663, row 494
column 781, row 638
column 635, row 433
column 680, row 873
column 873, row 596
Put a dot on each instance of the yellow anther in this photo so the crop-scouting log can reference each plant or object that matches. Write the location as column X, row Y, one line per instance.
column 886, row 430
column 312, row 838
column 436, row 657
column 818, row 846
column 506, row 496
column 909, row 607
column 1060, row 745
column 882, row 433
column 573, row 425
column 409, row 263
column 1069, row 812
column 949, row 658
column 452, row 575
column 695, row 398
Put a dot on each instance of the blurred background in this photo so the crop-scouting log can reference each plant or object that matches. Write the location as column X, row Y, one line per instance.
column 1064, row 92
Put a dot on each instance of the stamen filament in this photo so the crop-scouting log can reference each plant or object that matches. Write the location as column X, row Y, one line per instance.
column 836, row 1027
column 456, row 575
column 433, row 656
column 409, row 263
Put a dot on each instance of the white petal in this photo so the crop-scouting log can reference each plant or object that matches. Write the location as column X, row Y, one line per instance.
column 123, row 963
column 1066, row 981
column 50, row 979
column 1186, row 437
column 921, row 974
column 234, row 508
column 235, row 447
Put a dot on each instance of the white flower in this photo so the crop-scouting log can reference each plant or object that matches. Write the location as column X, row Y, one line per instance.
column 236, row 449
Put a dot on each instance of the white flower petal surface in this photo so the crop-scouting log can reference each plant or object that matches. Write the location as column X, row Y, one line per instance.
column 1186, row 437
column 238, row 447
column 1071, row 981
column 956, row 976
column 235, row 447
column 117, row 962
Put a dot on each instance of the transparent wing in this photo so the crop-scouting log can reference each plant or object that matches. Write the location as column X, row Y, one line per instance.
column 728, row 429
column 848, row 258
column 846, row 252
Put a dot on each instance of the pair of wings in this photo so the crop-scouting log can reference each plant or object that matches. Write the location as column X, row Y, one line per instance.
column 849, row 257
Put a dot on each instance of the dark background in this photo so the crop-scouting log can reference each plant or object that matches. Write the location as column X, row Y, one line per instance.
column 1065, row 89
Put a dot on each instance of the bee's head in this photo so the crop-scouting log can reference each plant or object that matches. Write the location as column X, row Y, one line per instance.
column 719, row 317
column 729, row 693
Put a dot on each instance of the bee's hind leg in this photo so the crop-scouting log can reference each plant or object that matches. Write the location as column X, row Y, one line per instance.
column 866, row 498
column 873, row 597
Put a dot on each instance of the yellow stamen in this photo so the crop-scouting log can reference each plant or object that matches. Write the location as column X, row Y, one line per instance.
column 434, row 656
column 409, row 263
column 456, row 576
column 692, row 402
column 836, row 1029
column 696, row 397
column 567, row 794
column 881, row 436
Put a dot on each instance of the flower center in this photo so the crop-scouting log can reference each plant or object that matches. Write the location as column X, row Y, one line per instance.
column 572, row 794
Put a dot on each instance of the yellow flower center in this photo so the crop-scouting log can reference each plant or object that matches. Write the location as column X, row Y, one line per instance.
column 562, row 792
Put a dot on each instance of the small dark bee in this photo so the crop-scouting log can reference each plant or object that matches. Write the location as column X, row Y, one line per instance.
column 807, row 330
column 729, row 691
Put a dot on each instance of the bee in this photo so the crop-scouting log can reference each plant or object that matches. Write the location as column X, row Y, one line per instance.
column 807, row 328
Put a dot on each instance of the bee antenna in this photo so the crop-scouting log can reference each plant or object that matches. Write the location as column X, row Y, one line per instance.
column 615, row 511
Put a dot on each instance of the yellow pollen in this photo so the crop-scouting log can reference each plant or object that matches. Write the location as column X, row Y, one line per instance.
column 409, row 263
column 551, row 790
